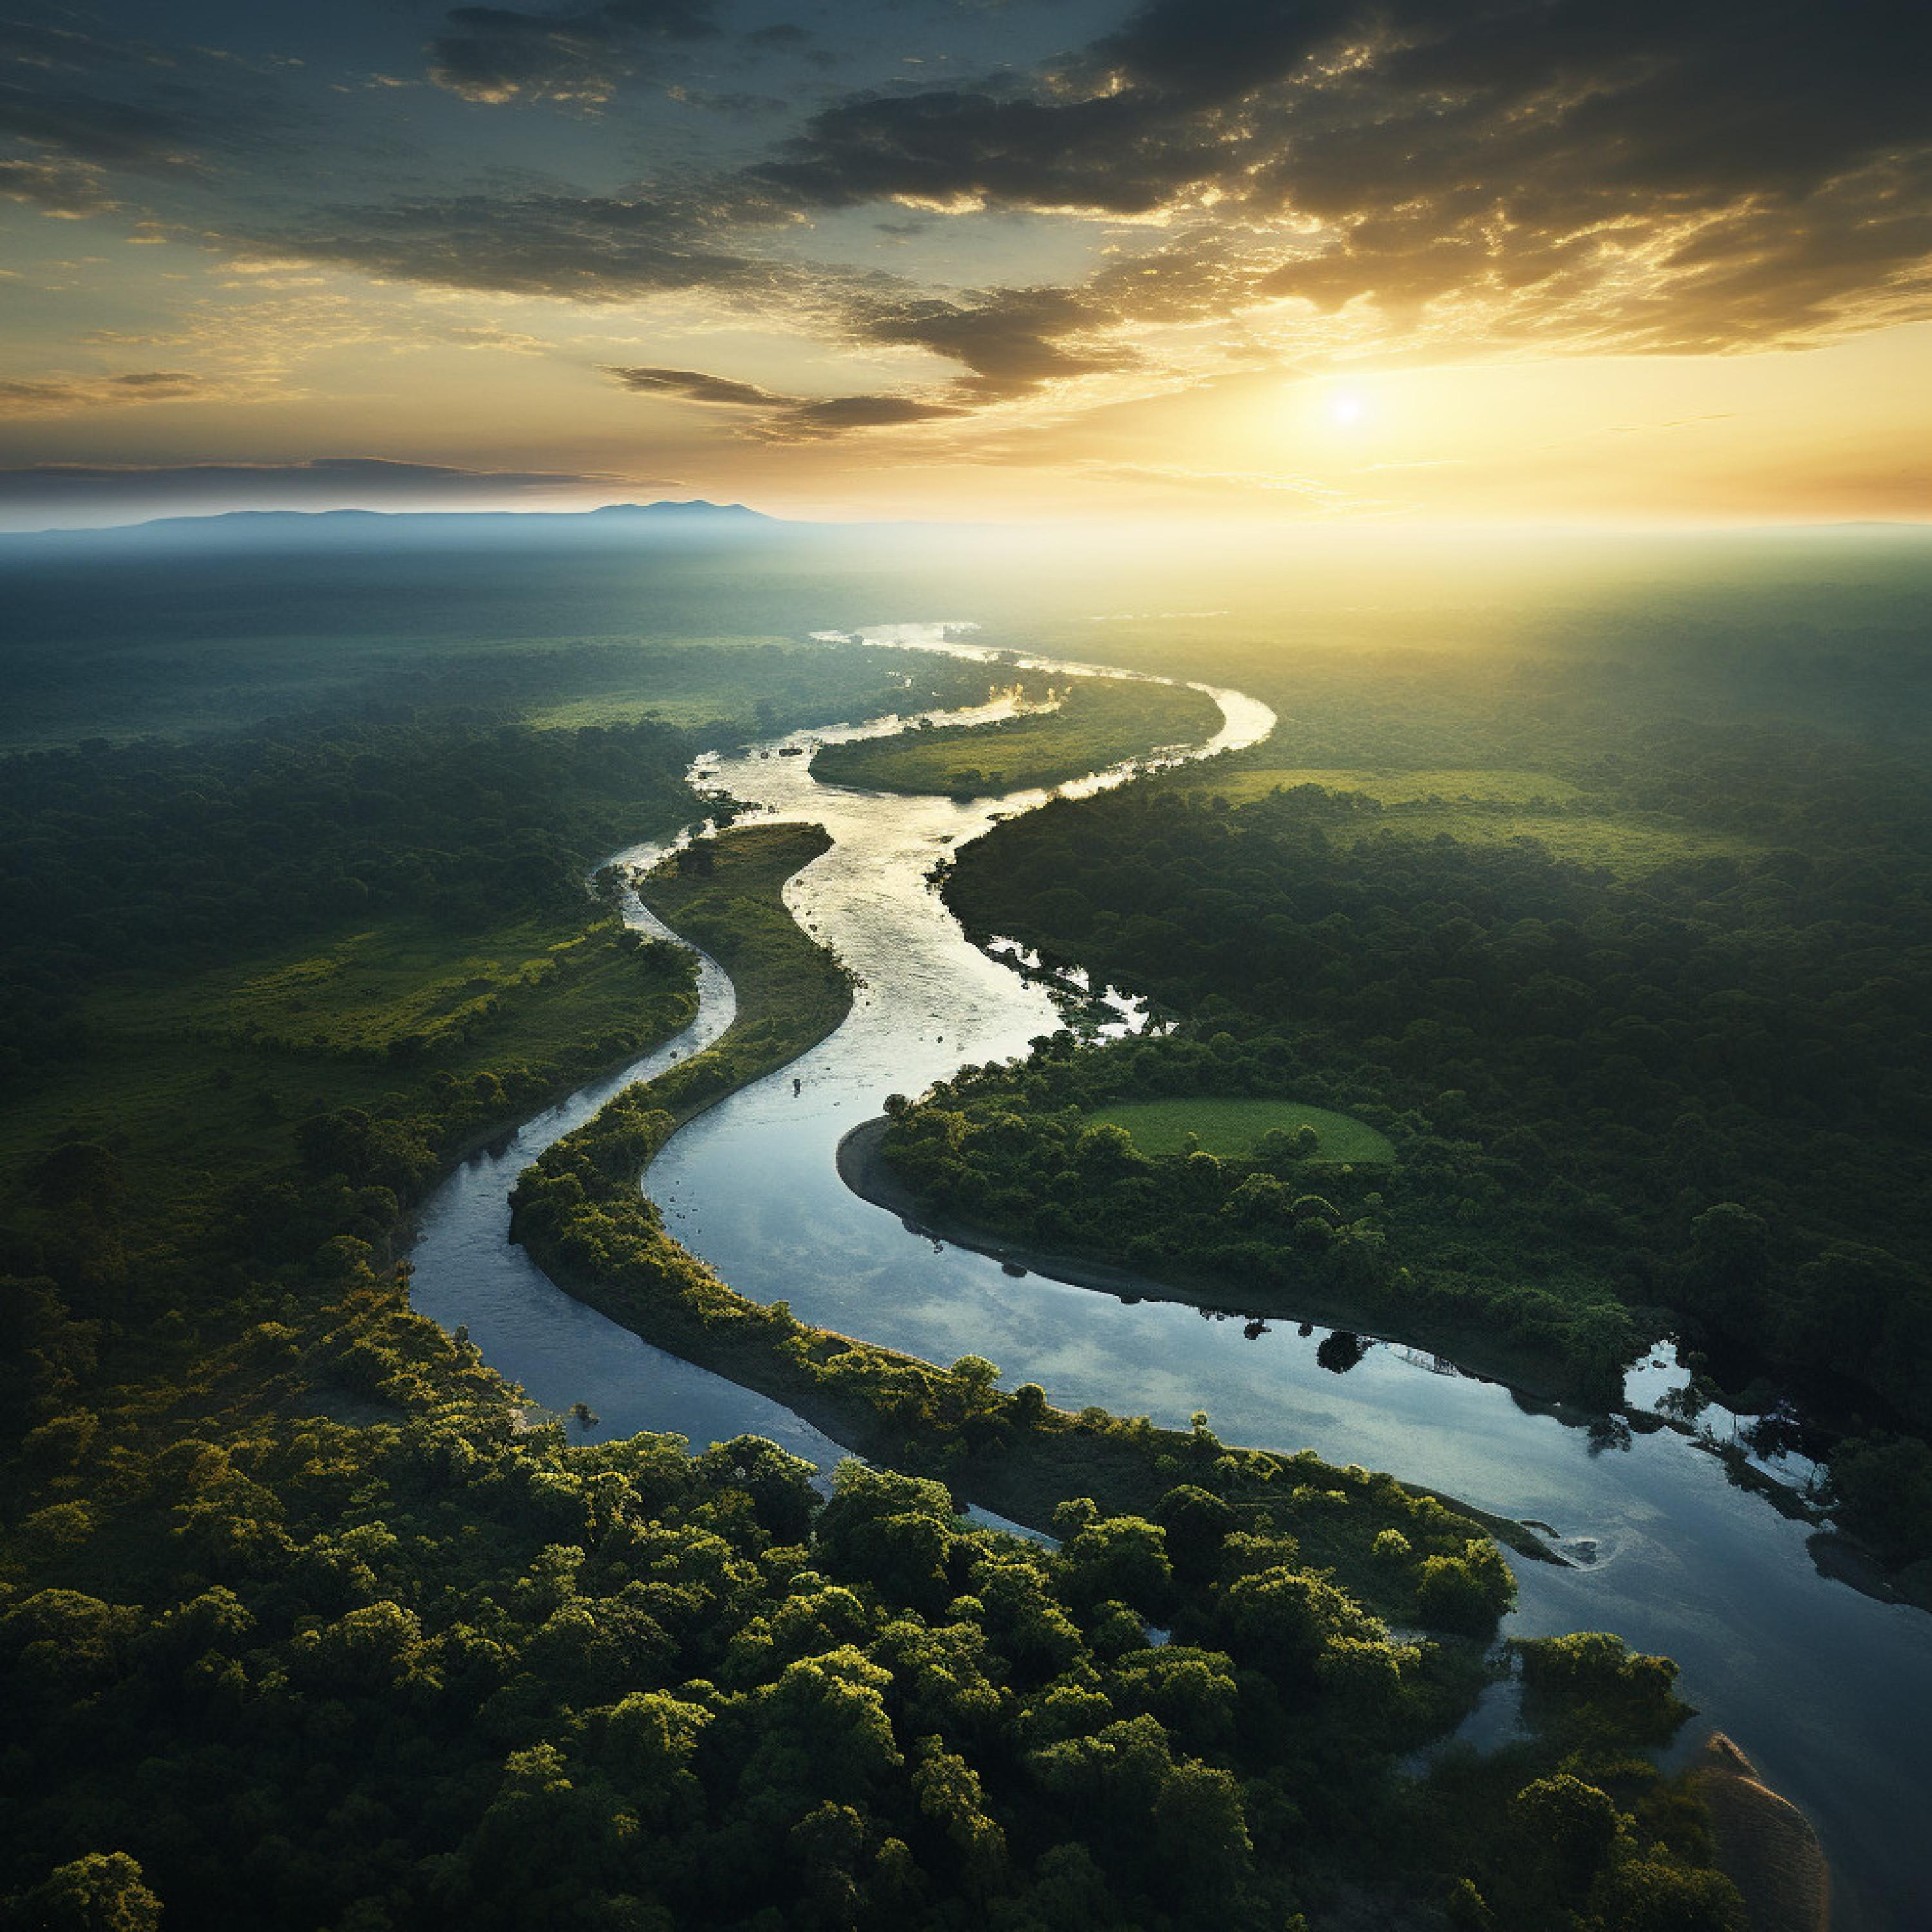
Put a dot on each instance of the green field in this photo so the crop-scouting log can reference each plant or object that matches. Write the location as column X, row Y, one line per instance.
column 197, row 1083
column 1493, row 805
column 1235, row 1126
column 1102, row 721
column 399, row 985
column 1450, row 785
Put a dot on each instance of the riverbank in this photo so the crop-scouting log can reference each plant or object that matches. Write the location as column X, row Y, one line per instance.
column 1765, row 1845
column 581, row 1213
column 1101, row 722
column 1525, row 1373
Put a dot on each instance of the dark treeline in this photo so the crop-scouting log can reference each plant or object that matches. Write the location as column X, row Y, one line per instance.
column 152, row 857
column 1696, row 1089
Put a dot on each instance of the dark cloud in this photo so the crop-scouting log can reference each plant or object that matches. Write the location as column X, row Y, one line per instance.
column 1011, row 340
column 1192, row 56
column 51, row 49
column 497, row 54
column 782, row 418
column 1114, row 154
column 55, row 186
column 740, row 105
column 1771, row 158
column 99, row 132
column 836, row 413
column 77, row 111
column 692, row 385
column 57, row 394
column 61, row 490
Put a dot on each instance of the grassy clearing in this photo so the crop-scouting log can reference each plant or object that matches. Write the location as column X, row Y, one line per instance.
column 1493, row 805
column 692, row 682
column 1627, row 844
column 1450, row 785
column 405, row 984
column 1234, row 1126
column 200, row 1084
column 1101, row 722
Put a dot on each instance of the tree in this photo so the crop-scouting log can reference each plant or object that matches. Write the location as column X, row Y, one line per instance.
column 102, row 1892
column 1197, row 1523
column 1730, row 1258
column 1568, row 1828
column 1201, row 1832
column 949, row 1792
column 1122, row 1557
column 78, row 1174
column 975, row 1378
column 1881, row 1486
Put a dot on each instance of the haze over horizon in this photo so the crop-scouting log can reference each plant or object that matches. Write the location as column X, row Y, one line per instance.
column 1287, row 264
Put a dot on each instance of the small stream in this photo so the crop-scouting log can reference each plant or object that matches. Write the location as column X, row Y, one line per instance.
column 1829, row 1691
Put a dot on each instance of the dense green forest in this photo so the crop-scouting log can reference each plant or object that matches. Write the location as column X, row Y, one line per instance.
column 1637, row 986
column 305, row 1621
column 1190, row 1537
column 1097, row 724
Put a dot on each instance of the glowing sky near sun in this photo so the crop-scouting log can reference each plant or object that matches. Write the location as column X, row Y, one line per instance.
column 1534, row 259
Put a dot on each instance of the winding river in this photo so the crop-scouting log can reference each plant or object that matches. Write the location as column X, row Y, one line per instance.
column 1829, row 1691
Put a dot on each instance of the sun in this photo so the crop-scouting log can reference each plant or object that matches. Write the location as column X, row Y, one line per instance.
column 1346, row 407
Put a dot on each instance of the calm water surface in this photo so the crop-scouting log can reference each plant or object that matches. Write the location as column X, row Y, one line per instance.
column 1829, row 1692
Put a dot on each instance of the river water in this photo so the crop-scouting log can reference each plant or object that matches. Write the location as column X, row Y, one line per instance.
column 1829, row 1691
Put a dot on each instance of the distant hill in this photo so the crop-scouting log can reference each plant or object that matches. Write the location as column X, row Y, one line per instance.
column 439, row 529
column 698, row 509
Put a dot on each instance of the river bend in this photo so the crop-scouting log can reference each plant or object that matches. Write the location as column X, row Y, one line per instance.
column 1829, row 1692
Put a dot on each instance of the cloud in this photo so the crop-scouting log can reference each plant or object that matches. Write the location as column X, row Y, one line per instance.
column 953, row 151
column 1398, row 177
column 1011, row 340
column 77, row 110
column 692, row 385
column 95, row 493
column 1664, row 176
column 103, row 133
column 56, row 395
column 806, row 420
column 70, row 188
column 496, row 54
column 782, row 418
column 581, row 248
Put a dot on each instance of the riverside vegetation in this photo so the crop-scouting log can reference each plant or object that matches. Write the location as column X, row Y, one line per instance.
column 1097, row 723
column 1669, row 1076
column 1277, row 1575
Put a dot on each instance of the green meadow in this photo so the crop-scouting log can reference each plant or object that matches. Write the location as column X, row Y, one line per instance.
column 1235, row 1126
column 1493, row 805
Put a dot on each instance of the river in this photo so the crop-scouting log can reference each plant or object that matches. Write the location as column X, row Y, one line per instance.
column 1829, row 1691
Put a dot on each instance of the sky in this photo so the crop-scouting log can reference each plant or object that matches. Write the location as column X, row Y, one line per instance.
column 1534, row 261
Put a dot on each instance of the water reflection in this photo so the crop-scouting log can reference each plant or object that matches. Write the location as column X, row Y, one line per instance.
column 1340, row 1351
